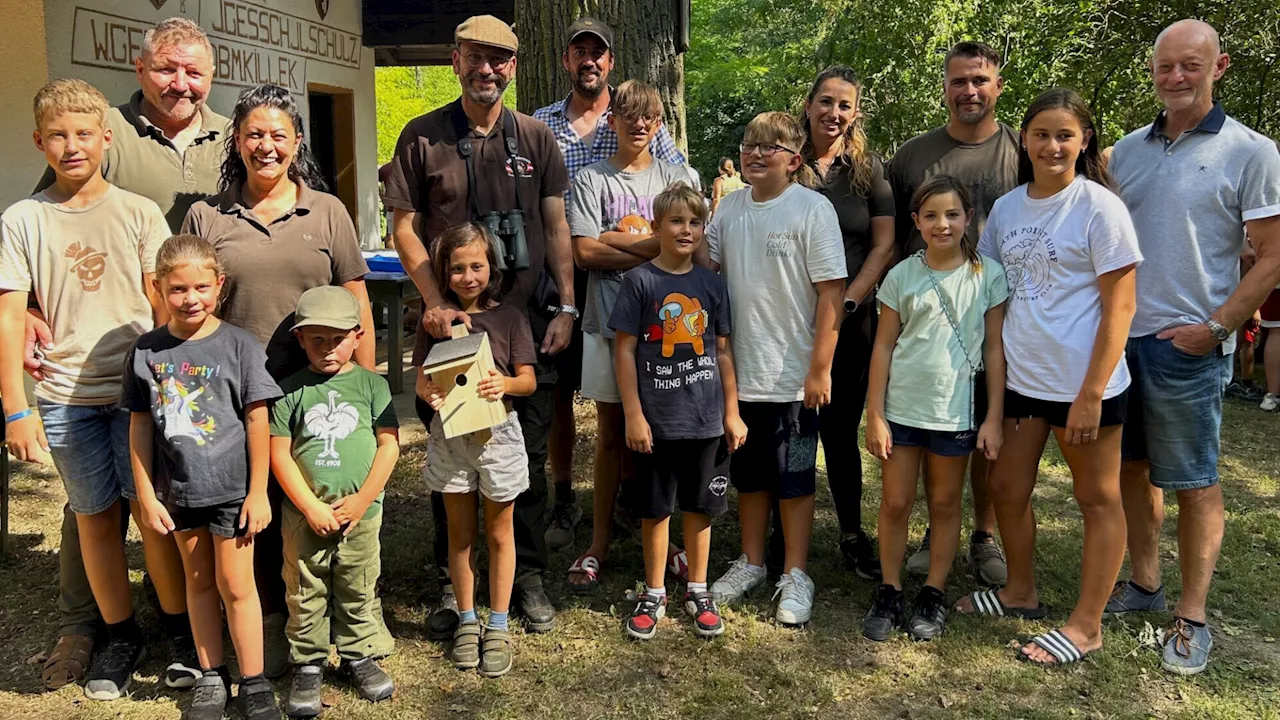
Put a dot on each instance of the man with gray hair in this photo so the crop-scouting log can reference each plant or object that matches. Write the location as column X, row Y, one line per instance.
column 1194, row 180
column 167, row 146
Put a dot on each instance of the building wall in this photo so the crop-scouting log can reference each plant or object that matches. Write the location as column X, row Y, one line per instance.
column 22, row 56
column 293, row 43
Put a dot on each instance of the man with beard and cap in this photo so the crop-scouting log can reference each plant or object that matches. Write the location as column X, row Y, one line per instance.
column 983, row 154
column 515, row 164
column 167, row 146
column 580, row 124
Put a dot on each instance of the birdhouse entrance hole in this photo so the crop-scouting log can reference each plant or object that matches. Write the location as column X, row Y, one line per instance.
column 460, row 380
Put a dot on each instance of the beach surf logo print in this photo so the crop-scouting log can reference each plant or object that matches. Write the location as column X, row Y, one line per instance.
column 331, row 422
column 88, row 264
column 181, row 413
column 1027, row 261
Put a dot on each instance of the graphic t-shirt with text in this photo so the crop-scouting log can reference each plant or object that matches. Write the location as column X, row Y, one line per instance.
column 332, row 420
column 676, row 320
column 197, row 392
column 602, row 196
column 1053, row 250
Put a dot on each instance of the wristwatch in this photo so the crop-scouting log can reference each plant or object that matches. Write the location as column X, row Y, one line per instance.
column 1217, row 330
column 570, row 310
column 850, row 305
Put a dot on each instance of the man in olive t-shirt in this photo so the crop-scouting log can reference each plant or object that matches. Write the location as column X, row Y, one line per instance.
column 983, row 154
column 973, row 146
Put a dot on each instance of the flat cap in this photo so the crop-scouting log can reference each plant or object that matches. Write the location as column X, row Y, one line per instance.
column 487, row 30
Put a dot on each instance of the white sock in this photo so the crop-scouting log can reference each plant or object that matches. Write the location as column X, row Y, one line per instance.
column 697, row 587
column 659, row 592
column 755, row 568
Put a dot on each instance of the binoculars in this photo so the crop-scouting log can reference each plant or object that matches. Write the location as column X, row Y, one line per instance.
column 508, row 231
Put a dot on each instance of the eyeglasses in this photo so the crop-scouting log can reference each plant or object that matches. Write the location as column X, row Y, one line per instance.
column 637, row 122
column 497, row 62
column 765, row 150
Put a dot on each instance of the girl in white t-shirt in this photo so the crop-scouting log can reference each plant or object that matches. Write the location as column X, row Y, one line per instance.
column 1069, row 250
column 940, row 316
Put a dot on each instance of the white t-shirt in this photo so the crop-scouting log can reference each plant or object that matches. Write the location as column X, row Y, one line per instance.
column 771, row 254
column 1053, row 250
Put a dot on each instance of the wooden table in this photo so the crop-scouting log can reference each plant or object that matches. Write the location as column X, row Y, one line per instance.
column 389, row 291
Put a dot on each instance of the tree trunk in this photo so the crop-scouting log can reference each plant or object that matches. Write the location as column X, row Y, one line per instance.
column 645, row 35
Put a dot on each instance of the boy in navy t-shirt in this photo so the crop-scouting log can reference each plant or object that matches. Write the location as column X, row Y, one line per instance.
column 674, row 366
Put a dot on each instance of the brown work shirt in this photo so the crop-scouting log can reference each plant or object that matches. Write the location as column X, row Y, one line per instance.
column 268, row 267
column 510, row 338
column 427, row 176
column 145, row 162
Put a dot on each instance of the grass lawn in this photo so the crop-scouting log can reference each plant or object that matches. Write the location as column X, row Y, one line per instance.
column 587, row 669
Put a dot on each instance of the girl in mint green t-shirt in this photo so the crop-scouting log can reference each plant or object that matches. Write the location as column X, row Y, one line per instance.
column 940, row 315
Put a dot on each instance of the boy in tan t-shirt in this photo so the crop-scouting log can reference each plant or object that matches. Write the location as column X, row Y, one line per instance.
column 86, row 250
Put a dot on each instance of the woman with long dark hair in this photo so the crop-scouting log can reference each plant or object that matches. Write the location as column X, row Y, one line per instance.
column 278, row 234
column 1069, row 251
column 853, row 179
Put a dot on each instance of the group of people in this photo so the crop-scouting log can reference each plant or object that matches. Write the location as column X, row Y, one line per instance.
column 202, row 341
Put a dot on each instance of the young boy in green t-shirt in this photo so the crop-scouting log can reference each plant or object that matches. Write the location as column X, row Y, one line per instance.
column 335, row 441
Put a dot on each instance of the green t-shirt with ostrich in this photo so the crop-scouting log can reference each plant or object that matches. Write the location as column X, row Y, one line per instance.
column 332, row 421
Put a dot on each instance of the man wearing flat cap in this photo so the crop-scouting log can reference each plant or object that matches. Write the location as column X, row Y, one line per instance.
column 473, row 159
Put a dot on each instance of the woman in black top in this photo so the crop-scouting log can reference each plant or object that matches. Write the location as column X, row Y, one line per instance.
column 853, row 179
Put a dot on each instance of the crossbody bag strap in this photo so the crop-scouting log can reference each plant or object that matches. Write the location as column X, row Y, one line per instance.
column 955, row 328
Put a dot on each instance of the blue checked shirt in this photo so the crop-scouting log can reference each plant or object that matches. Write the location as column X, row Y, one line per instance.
column 577, row 154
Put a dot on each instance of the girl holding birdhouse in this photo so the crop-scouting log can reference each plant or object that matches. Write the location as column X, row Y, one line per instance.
column 492, row 462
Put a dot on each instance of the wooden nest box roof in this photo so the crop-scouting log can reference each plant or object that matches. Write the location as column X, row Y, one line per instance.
column 452, row 352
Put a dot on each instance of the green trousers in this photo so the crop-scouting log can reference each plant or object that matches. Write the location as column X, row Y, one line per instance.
column 332, row 585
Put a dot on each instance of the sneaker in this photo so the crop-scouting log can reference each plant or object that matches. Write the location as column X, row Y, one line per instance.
column 305, row 692
column 886, row 613
column 796, row 604
column 860, row 556
column 737, row 581
column 706, row 616
column 1269, row 403
column 987, row 559
column 112, row 669
column 918, row 562
column 259, row 699
column 564, row 520
column 643, row 623
column 275, row 646
column 1240, row 391
column 184, row 668
column 442, row 623
column 1186, row 648
column 373, row 683
column 533, row 604
column 209, row 698
column 1127, row 598
column 930, row 617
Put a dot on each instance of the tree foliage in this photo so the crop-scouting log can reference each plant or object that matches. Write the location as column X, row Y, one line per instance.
column 748, row 56
column 404, row 93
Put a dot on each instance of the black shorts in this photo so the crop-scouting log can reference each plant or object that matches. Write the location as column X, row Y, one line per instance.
column 221, row 520
column 781, row 452
column 1019, row 407
column 694, row 472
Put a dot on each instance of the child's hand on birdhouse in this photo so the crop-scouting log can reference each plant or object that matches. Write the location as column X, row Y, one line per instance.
column 493, row 387
column 429, row 391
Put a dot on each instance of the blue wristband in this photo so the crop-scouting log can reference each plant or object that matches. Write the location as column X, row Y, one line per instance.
column 17, row 416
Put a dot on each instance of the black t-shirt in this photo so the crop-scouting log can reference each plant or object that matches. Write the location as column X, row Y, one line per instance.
column 510, row 339
column 854, row 210
column 197, row 392
column 676, row 319
column 988, row 168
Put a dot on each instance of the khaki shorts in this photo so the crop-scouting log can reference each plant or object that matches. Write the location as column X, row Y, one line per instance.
column 599, row 382
column 495, row 463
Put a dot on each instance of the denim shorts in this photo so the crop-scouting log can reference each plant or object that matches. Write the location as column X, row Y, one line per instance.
column 221, row 520
column 90, row 448
column 939, row 442
column 1175, row 412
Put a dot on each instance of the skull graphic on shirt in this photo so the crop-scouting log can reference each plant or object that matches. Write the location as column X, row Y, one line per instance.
column 88, row 264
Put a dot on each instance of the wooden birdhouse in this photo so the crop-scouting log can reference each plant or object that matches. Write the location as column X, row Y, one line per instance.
column 457, row 366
